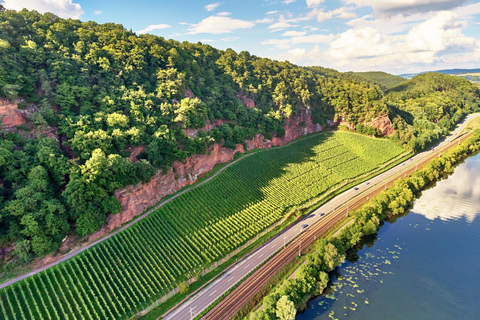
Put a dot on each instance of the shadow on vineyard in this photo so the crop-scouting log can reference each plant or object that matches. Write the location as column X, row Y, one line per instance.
column 127, row 272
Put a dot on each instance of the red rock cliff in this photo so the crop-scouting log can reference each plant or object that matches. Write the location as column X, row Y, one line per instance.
column 136, row 199
column 383, row 124
column 10, row 115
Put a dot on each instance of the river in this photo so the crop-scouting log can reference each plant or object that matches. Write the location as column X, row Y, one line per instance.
column 423, row 265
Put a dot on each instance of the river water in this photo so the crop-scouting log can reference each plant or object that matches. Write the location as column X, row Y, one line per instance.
column 423, row 265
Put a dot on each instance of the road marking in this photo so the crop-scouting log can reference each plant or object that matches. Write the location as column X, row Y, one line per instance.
column 246, row 267
column 274, row 246
column 230, row 279
column 260, row 255
column 213, row 293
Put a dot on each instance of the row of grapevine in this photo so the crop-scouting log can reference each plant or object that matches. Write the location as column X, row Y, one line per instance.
column 125, row 273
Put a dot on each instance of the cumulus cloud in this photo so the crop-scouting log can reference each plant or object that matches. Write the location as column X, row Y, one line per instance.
column 438, row 40
column 153, row 27
column 288, row 1
column 313, row 3
column 407, row 7
column 342, row 12
column 278, row 43
column 229, row 39
column 284, row 23
column 293, row 33
column 212, row 6
column 271, row 12
column 97, row 12
column 218, row 25
column 62, row 8
column 264, row 20
column 299, row 39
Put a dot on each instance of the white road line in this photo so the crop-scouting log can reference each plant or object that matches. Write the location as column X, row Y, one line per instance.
column 212, row 293
column 246, row 267
column 230, row 279
column 260, row 255
column 274, row 246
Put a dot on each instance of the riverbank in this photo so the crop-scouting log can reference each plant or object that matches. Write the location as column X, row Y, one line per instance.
column 329, row 252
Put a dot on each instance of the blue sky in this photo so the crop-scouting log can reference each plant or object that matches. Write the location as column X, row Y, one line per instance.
column 396, row 36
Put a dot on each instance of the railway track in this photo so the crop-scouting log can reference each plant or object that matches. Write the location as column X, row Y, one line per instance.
column 233, row 302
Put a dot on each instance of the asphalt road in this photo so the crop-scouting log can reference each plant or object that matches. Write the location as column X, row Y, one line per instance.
column 216, row 289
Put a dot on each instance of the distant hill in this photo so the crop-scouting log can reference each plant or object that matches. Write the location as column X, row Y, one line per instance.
column 383, row 79
column 446, row 71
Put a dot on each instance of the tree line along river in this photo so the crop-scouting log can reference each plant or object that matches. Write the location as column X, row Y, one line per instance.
column 422, row 265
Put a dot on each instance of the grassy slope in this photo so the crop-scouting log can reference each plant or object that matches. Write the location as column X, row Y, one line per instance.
column 197, row 228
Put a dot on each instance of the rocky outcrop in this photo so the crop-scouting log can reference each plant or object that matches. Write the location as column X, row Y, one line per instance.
column 383, row 124
column 10, row 115
column 135, row 152
column 246, row 100
column 208, row 126
column 136, row 199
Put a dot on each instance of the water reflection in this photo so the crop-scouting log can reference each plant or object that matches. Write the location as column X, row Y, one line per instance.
column 419, row 267
column 454, row 197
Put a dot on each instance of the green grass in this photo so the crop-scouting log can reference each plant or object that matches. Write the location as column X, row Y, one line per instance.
column 127, row 272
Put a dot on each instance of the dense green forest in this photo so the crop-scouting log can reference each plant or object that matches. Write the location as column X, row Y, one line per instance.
column 102, row 90
column 383, row 79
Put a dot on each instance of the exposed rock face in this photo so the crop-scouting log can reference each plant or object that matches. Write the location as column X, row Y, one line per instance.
column 10, row 115
column 136, row 199
column 135, row 152
column 247, row 101
column 208, row 126
column 189, row 94
column 383, row 124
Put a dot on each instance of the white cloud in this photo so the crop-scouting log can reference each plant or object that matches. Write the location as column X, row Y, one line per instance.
column 287, row 43
column 229, row 39
column 282, row 24
column 314, row 38
column 406, row 7
column 153, row 27
column 287, row 23
column 212, row 6
column 288, row 1
column 97, row 12
column 293, row 33
column 322, row 16
column 271, row 12
column 217, row 25
column 264, row 20
column 224, row 14
column 437, row 41
column 342, row 12
column 278, row 43
column 313, row 3
column 62, row 8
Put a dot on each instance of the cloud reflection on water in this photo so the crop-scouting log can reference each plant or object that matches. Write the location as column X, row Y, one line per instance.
column 455, row 197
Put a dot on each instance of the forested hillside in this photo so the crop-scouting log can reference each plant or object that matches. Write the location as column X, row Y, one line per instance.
column 92, row 92
column 424, row 108
column 383, row 79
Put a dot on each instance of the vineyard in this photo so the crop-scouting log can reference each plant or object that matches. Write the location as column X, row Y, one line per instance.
column 125, row 273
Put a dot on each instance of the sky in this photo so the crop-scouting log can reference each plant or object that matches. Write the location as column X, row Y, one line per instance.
column 395, row 36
